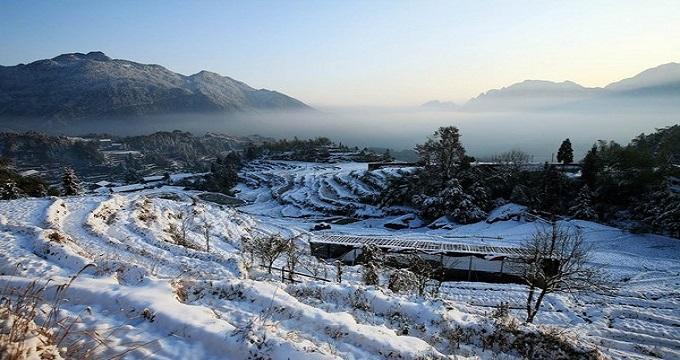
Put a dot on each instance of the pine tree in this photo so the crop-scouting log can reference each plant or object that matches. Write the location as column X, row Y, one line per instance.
column 660, row 211
column 590, row 167
column 70, row 183
column 550, row 193
column 10, row 190
column 565, row 154
column 669, row 220
column 459, row 205
column 583, row 208
column 520, row 195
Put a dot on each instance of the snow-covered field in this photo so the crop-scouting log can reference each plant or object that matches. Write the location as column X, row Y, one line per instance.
column 184, row 302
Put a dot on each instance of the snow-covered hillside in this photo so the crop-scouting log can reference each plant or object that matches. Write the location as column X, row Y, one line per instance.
column 299, row 189
column 155, row 298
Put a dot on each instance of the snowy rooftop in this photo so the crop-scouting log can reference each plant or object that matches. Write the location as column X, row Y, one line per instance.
column 428, row 246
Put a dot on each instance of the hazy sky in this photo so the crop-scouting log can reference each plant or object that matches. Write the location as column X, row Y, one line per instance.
column 347, row 53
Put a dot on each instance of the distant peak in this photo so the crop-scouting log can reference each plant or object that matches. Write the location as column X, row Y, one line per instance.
column 92, row 55
column 544, row 84
column 206, row 74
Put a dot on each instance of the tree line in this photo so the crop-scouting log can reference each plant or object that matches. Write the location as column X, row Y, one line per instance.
column 636, row 184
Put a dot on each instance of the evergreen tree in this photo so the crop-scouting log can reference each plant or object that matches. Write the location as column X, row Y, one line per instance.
column 583, row 208
column 550, row 193
column 565, row 154
column 10, row 190
column 69, row 182
column 590, row 167
column 669, row 220
column 132, row 176
column 460, row 206
column 387, row 156
column 659, row 211
column 520, row 195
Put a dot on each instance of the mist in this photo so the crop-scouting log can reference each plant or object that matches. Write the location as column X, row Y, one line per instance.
column 483, row 133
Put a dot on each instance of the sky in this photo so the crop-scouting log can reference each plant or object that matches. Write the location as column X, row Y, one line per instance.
column 359, row 53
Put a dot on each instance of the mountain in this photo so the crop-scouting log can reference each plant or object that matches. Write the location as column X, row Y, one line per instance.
column 531, row 95
column 440, row 105
column 657, row 88
column 85, row 85
column 661, row 80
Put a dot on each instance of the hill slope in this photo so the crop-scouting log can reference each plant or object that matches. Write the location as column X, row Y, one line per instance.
column 80, row 85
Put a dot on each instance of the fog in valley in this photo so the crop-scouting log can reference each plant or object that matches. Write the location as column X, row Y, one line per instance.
column 483, row 133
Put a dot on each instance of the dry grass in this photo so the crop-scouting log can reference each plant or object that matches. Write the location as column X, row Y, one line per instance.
column 32, row 325
column 56, row 237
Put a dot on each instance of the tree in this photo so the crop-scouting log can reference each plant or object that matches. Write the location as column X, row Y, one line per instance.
column 423, row 272
column 451, row 201
column 386, row 156
column 520, row 195
column 9, row 190
column 565, row 154
column 660, row 211
column 557, row 261
column 69, row 182
column 269, row 248
column 514, row 160
column 550, row 191
column 372, row 257
column 180, row 233
column 590, row 166
column 206, row 226
column 443, row 155
column 132, row 176
column 293, row 256
column 583, row 207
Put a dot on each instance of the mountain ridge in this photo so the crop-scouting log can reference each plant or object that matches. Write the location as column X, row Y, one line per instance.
column 77, row 85
column 660, row 82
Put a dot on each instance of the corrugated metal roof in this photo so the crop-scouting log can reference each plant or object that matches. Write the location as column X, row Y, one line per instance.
column 427, row 246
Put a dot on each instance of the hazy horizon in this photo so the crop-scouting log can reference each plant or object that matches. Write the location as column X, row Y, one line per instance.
column 359, row 53
column 483, row 134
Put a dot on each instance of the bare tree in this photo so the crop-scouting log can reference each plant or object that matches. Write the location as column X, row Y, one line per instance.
column 269, row 248
column 514, row 159
column 372, row 259
column 186, row 220
column 423, row 270
column 294, row 255
column 338, row 271
column 205, row 227
column 558, row 261
column 180, row 233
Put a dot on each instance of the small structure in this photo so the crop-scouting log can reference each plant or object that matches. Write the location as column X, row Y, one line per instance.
column 458, row 261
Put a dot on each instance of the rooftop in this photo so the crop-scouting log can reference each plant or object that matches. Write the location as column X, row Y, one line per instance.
column 427, row 246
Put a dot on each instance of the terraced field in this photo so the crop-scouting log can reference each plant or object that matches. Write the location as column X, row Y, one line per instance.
column 149, row 296
column 294, row 189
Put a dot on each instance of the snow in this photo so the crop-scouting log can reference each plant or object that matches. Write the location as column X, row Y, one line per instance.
column 130, row 187
column 29, row 173
column 186, row 302
column 153, row 178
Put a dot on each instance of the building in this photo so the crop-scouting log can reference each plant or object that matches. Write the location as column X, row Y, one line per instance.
column 458, row 261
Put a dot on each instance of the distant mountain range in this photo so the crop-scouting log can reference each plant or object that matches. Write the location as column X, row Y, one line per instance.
column 657, row 88
column 440, row 105
column 72, row 86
